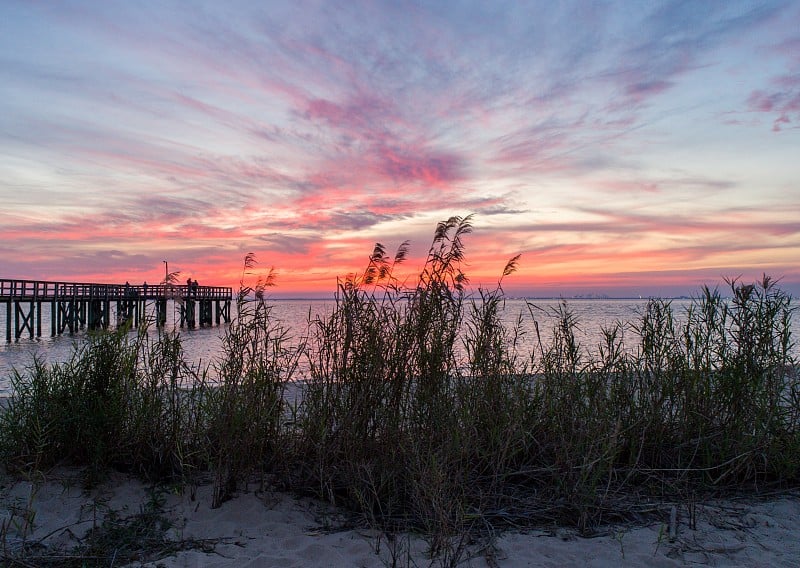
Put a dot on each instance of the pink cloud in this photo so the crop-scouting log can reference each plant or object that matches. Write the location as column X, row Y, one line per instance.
column 639, row 91
column 433, row 169
column 782, row 100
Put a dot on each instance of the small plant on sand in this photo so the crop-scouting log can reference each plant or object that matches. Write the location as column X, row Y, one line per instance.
column 115, row 540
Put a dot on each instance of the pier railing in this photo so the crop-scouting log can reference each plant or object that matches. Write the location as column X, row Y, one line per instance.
column 76, row 305
column 39, row 290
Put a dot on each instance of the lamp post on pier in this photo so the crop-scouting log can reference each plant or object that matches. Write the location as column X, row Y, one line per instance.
column 161, row 303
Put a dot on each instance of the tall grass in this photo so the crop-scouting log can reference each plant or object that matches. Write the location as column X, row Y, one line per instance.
column 246, row 406
column 117, row 402
column 131, row 402
column 421, row 409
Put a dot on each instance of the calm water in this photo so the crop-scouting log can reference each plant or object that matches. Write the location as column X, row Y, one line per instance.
column 203, row 344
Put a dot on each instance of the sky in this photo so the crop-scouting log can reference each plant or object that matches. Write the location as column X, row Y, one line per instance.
column 622, row 148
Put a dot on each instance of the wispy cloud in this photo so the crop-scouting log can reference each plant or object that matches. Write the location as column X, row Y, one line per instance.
column 782, row 100
column 304, row 132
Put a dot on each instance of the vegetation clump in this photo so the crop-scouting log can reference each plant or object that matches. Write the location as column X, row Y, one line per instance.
column 422, row 410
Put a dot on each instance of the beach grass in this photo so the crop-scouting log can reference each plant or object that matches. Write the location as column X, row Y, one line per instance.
column 422, row 410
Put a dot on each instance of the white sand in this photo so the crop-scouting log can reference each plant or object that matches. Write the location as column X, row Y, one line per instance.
column 272, row 529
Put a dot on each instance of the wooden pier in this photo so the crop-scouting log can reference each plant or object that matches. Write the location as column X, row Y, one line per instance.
column 74, row 306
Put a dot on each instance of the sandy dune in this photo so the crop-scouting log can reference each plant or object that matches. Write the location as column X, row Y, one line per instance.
column 265, row 528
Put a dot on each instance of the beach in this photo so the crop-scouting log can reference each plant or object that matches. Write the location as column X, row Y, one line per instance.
column 264, row 527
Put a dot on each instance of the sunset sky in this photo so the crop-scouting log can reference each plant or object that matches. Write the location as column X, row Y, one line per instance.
column 623, row 148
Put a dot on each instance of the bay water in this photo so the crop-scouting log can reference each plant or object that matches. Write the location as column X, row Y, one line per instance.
column 202, row 345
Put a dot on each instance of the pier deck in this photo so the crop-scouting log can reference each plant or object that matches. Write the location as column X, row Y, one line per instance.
column 75, row 305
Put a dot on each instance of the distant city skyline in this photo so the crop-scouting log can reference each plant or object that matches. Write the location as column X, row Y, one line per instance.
column 622, row 149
